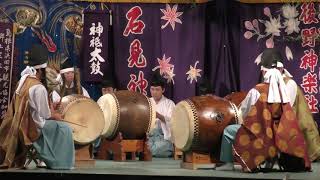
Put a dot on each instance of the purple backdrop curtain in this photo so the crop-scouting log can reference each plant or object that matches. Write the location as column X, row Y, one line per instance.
column 283, row 26
column 200, row 35
column 222, row 45
column 184, row 45
column 221, row 35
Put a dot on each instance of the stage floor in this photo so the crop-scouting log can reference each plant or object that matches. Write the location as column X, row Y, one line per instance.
column 159, row 168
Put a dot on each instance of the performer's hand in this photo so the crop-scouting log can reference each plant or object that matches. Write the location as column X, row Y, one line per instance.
column 161, row 117
column 56, row 116
column 56, row 105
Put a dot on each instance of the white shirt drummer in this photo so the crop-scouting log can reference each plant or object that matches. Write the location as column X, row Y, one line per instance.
column 164, row 107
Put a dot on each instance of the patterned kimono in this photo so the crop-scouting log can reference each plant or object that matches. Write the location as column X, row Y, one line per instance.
column 307, row 124
column 267, row 130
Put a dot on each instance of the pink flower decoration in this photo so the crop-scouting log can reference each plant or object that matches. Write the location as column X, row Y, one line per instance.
column 266, row 11
column 248, row 25
column 248, row 34
column 270, row 43
column 255, row 23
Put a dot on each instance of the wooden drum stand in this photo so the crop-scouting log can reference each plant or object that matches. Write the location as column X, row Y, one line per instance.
column 120, row 148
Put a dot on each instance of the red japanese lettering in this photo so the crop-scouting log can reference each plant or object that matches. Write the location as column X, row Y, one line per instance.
column 134, row 25
column 310, row 83
column 136, row 57
column 139, row 84
column 308, row 14
column 309, row 36
column 313, row 103
column 310, row 59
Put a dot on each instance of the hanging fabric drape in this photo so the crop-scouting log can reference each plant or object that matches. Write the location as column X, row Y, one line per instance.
column 147, row 1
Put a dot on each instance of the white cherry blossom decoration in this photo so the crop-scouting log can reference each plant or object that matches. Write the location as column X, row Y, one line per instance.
column 171, row 16
column 164, row 65
column 290, row 13
column 169, row 76
column 193, row 73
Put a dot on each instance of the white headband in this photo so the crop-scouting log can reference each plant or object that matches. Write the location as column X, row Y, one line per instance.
column 66, row 70
column 28, row 71
column 279, row 65
column 44, row 65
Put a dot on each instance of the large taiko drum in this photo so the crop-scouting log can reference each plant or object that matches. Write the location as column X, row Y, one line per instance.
column 84, row 116
column 198, row 122
column 128, row 112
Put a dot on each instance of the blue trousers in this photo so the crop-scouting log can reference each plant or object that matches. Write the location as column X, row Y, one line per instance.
column 229, row 134
column 55, row 146
column 158, row 145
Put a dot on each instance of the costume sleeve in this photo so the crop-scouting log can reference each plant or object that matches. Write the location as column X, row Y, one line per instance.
column 251, row 99
column 55, row 97
column 85, row 92
column 39, row 104
column 166, row 128
column 291, row 88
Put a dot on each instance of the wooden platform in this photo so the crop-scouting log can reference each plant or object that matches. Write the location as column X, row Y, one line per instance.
column 155, row 169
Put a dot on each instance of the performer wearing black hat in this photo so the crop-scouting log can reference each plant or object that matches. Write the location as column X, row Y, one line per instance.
column 28, row 121
column 70, row 82
column 269, row 101
column 107, row 86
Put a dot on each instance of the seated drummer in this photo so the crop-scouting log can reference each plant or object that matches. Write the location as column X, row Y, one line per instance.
column 266, row 111
column 69, row 82
column 160, row 137
column 107, row 86
column 29, row 120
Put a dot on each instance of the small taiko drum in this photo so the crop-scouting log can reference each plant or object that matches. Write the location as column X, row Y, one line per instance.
column 198, row 122
column 84, row 116
column 128, row 112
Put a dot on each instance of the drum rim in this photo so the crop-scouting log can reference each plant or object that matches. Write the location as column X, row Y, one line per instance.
column 116, row 126
column 193, row 125
column 75, row 98
column 72, row 101
column 113, row 125
column 237, row 112
column 152, row 114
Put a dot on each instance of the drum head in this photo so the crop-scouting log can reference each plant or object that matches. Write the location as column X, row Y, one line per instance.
column 183, row 125
column 109, row 105
column 84, row 116
column 153, row 114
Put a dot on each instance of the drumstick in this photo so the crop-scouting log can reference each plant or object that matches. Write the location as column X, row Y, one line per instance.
column 74, row 123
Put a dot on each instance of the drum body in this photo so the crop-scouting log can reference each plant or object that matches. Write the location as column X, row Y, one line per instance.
column 84, row 116
column 236, row 97
column 198, row 122
column 128, row 112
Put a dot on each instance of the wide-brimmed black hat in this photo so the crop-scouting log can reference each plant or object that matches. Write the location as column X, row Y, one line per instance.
column 38, row 55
